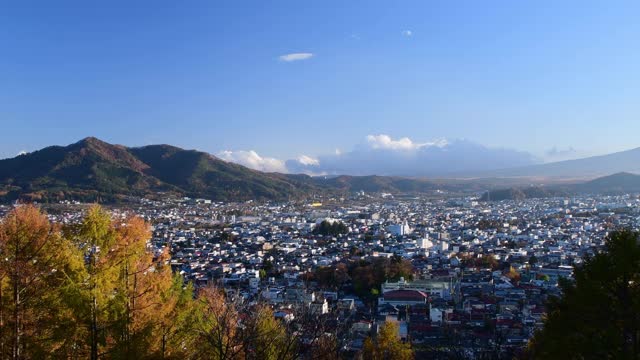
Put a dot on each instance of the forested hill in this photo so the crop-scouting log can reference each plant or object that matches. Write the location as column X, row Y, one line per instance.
column 92, row 170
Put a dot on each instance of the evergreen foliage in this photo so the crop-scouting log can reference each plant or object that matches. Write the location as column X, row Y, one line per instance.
column 330, row 228
column 598, row 316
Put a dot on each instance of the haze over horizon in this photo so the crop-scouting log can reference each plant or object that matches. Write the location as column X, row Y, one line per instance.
column 324, row 87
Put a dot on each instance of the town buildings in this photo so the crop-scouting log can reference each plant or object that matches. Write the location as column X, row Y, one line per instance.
column 481, row 272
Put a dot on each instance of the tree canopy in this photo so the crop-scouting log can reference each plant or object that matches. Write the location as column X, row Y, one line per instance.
column 365, row 276
column 98, row 290
column 387, row 345
column 327, row 228
column 598, row 315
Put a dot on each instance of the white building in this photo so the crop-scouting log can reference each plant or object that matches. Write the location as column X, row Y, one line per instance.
column 425, row 243
column 399, row 229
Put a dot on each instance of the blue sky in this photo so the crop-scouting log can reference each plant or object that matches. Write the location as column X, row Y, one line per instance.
column 527, row 75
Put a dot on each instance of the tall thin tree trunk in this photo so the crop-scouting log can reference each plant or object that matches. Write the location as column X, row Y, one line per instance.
column 127, row 325
column 94, row 330
column 2, row 350
column 16, row 323
column 164, row 344
column 133, row 307
column 94, row 311
column 16, row 306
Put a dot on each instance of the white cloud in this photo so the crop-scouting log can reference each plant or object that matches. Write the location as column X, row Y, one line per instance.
column 23, row 152
column 386, row 142
column 295, row 57
column 383, row 141
column 307, row 160
column 437, row 143
column 407, row 33
column 383, row 155
column 304, row 165
column 253, row 160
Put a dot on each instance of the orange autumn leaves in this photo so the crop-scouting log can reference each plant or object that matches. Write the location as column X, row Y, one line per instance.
column 96, row 290
column 91, row 290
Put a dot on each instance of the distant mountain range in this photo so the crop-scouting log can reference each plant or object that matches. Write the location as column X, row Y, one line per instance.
column 93, row 170
column 590, row 167
column 382, row 155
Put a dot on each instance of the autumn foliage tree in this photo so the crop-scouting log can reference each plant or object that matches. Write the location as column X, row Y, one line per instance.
column 131, row 303
column 366, row 275
column 387, row 345
column 173, row 332
column 370, row 275
column 231, row 330
column 36, row 268
column 94, row 290
column 145, row 291
column 216, row 327
column 265, row 337
column 98, row 290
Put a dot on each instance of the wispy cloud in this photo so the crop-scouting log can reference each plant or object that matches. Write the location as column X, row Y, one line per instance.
column 295, row 57
column 407, row 33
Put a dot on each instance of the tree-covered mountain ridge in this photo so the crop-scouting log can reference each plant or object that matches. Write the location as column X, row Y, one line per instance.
column 92, row 169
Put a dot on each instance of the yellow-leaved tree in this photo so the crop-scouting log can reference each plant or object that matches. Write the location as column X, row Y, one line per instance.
column 387, row 345
column 150, row 298
column 131, row 304
column 37, row 269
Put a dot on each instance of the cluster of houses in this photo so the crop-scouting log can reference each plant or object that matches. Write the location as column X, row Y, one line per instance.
column 482, row 271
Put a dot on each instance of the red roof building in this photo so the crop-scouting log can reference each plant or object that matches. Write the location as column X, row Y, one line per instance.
column 403, row 297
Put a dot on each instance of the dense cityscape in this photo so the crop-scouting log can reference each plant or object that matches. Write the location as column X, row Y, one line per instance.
column 457, row 276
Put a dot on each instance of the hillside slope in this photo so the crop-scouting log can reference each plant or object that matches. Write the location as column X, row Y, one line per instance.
column 92, row 169
column 590, row 167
